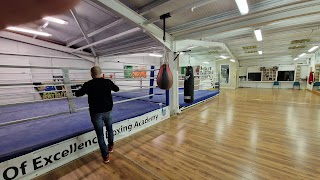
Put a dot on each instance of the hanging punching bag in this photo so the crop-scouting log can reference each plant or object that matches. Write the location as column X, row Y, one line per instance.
column 164, row 78
column 189, row 85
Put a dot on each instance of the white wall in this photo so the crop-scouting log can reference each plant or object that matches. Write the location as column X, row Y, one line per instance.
column 269, row 84
column 304, row 71
column 266, row 84
column 263, row 63
column 118, row 63
column 22, row 54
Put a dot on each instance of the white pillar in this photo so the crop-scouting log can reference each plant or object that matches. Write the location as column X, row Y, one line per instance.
column 174, row 91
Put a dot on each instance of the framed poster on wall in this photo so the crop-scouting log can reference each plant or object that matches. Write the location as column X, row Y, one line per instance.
column 135, row 71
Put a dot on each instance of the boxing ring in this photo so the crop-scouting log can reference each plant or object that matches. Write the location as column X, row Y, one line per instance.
column 43, row 124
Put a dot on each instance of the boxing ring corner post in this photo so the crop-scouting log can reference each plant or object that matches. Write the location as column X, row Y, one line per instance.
column 151, row 81
column 219, row 82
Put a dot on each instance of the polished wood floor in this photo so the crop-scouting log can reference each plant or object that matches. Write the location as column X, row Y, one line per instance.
column 242, row 134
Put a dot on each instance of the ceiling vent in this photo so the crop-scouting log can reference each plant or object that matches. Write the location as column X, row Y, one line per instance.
column 213, row 52
column 250, row 52
column 249, row 47
column 297, row 47
column 300, row 41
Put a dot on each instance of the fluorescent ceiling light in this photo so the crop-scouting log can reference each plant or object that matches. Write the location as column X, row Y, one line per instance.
column 191, row 47
column 223, row 57
column 296, row 59
column 30, row 31
column 232, row 60
column 55, row 20
column 243, row 6
column 205, row 62
column 260, row 52
column 182, row 53
column 155, row 55
column 312, row 49
column 302, row 54
column 258, row 34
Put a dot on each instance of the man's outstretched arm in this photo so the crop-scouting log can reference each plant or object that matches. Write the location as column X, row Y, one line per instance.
column 82, row 91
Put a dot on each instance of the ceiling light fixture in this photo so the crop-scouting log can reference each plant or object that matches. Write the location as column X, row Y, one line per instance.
column 313, row 48
column 155, row 55
column 223, row 57
column 191, row 47
column 301, row 55
column 232, row 60
column 29, row 31
column 258, row 34
column 205, row 62
column 243, row 6
column 296, row 59
column 55, row 20
column 260, row 52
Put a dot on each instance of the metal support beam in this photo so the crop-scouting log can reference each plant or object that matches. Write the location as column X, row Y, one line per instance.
column 77, row 19
column 125, row 51
column 182, row 45
column 97, row 61
column 152, row 30
column 109, row 38
column 115, row 23
column 181, row 10
column 132, row 44
column 36, row 42
column 151, row 6
column 124, row 42
column 41, row 27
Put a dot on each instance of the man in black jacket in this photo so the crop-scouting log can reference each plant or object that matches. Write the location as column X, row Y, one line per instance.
column 100, row 106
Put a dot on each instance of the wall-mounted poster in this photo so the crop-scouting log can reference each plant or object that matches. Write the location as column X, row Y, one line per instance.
column 135, row 71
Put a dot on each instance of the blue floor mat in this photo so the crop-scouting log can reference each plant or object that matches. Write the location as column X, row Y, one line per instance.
column 199, row 95
column 20, row 139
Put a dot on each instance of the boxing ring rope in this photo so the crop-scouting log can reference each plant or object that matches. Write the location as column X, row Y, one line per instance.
column 210, row 81
column 70, row 68
column 66, row 87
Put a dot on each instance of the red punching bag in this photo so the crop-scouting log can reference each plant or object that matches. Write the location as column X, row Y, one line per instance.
column 164, row 78
column 311, row 78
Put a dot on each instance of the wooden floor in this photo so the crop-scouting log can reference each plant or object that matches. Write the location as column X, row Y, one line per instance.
column 242, row 134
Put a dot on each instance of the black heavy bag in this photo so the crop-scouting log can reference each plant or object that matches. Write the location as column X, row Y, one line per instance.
column 164, row 78
column 189, row 85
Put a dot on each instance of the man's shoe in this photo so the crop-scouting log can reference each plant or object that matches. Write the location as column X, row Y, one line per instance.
column 106, row 160
column 110, row 148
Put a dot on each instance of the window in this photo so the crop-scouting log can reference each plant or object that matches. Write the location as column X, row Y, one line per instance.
column 285, row 75
column 254, row 76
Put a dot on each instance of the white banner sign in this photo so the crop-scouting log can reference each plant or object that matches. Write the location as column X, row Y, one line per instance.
column 43, row 160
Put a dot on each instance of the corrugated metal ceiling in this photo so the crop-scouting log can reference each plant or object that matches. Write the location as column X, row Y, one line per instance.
column 217, row 13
